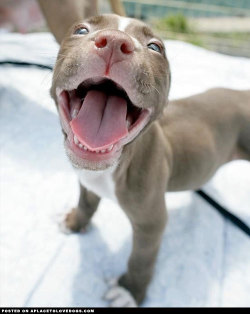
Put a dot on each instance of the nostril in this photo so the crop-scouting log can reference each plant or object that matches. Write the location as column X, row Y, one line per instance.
column 101, row 42
column 125, row 48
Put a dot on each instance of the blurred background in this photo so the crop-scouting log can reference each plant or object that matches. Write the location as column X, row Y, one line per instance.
column 219, row 25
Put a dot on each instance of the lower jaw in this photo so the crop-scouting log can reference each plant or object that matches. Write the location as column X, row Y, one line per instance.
column 91, row 160
column 86, row 159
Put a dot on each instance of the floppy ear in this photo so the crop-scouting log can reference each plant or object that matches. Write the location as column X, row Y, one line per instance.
column 61, row 15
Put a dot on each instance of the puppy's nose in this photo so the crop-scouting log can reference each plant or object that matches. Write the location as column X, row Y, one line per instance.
column 114, row 44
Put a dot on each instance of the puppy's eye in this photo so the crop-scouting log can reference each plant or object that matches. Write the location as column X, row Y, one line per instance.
column 81, row 31
column 155, row 47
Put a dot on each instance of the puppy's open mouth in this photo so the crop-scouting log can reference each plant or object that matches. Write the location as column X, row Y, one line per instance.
column 99, row 118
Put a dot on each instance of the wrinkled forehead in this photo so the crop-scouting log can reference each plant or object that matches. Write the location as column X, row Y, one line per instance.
column 131, row 26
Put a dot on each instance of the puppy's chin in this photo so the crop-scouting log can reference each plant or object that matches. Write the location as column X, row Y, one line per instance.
column 91, row 160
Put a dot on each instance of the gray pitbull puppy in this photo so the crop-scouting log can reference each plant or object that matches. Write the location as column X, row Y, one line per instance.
column 127, row 142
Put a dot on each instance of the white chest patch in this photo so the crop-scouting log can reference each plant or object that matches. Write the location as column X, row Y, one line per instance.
column 99, row 182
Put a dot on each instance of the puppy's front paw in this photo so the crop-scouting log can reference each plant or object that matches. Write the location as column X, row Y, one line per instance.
column 73, row 222
column 119, row 296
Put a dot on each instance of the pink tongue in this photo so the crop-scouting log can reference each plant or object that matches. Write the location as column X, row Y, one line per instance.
column 101, row 120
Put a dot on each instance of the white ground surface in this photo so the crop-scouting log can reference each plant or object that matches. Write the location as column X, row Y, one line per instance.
column 204, row 260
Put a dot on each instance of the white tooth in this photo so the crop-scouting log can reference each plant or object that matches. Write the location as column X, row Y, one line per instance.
column 128, row 123
column 97, row 151
column 80, row 145
column 103, row 150
column 85, row 148
column 76, row 140
column 74, row 113
column 110, row 147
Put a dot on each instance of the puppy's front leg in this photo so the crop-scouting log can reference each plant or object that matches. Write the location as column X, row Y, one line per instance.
column 148, row 225
column 79, row 217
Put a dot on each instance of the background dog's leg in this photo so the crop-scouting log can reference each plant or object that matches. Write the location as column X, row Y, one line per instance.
column 79, row 217
column 62, row 14
column 117, row 7
column 91, row 8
